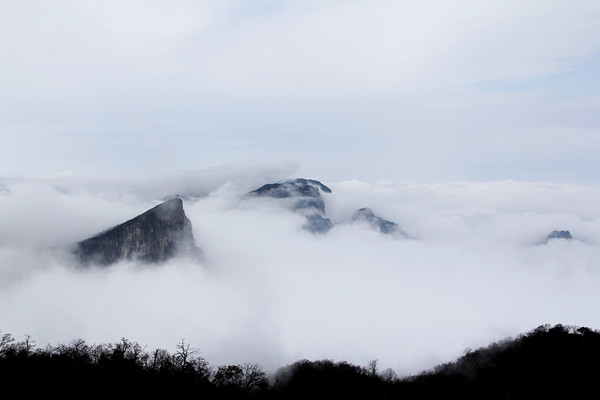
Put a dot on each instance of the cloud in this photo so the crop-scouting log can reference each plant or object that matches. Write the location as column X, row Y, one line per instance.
column 474, row 270
column 423, row 90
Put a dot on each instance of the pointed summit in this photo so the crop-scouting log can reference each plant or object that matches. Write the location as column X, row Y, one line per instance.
column 154, row 236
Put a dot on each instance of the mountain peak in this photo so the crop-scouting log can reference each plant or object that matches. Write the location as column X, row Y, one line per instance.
column 304, row 197
column 559, row 235
column 293, row 188
column 154, row 236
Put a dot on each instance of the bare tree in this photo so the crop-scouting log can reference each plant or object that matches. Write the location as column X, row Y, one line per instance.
column 161, row 360
column 79, row 350
column 389, row 375
column 6, row 340
column 26, row 346
column 372, row 368
column 201, row 367
column 229, row 376
column 97, row 352
column 184, row 354
column 254, row 378
column 126, row 350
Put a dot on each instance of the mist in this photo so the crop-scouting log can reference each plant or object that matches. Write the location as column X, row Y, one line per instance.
column 475, row 268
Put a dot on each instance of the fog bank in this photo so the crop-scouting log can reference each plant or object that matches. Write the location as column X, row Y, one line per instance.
column 476, row 268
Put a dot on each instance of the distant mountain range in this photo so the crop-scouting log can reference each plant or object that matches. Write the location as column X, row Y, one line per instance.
column 165, row 231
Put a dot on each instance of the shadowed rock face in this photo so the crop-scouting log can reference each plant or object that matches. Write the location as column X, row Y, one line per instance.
column 559, row 235
column 317, row 224
column 305, row 197
column 383, row 225
column 154, row 236
column 305, row 191
column 297, row 188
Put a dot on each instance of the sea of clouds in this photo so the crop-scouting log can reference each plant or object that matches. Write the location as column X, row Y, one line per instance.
column 476, row 268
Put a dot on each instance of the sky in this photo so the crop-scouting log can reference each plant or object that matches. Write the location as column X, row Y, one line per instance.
column 373, row 90
column 473, row 125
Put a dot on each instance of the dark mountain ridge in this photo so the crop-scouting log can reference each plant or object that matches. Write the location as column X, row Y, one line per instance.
column 549, row 362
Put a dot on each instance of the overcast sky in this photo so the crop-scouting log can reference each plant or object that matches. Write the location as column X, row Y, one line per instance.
column 373, row 90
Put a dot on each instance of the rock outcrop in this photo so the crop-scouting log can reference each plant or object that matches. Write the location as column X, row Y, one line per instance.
column 559, row 235
column 378, row 223
column 154, row 236
column 317, row 224
column 303, row 196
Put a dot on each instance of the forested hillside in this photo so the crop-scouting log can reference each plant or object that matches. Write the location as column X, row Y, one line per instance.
column 548, row 362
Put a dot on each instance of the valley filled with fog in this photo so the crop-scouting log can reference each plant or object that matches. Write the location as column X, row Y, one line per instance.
column 474, row 267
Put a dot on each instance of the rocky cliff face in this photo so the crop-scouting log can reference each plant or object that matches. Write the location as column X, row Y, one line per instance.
column 154, row 236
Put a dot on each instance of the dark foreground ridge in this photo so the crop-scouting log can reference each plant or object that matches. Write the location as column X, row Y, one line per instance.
column 154, row 236
column 558, row 362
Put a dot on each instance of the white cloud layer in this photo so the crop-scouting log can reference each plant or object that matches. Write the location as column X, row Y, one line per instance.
column 475, row 269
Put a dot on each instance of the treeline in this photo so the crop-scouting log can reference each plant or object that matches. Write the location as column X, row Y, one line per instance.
column 548, row 362
column 123, row 370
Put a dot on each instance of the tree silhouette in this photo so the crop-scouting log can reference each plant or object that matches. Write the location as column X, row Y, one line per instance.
column 548, row 362
column 254, row 378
